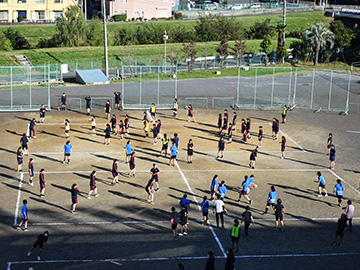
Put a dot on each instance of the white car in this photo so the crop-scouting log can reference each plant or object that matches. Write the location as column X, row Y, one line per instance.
column 208, row 5
column 256, row 6
column 238, row 6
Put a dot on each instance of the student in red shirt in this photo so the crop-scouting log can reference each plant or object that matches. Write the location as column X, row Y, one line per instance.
column 42, row 183
column 40, row 242
column 115, row 172
column 93, row 185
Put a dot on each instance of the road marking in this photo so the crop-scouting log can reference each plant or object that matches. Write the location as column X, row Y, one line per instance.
column 288, row 137
column 197, row 202
column 114, row 262
column 337, row 176
column 353, row 131
column 18, row 199
column 140, row 123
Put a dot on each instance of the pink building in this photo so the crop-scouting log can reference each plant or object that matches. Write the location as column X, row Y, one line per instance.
column 140, row 8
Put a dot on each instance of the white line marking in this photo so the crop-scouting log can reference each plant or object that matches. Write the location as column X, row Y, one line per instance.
column 18, row 199
column 197, row 202
column 287, row 136
column 186, row 258
column 353, row 131
column 8, row 266
column 149, row 115
column 114, row 262
column 140, row 123
column 337, row 176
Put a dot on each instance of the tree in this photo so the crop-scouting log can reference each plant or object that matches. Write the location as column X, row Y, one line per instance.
column 190, row 53
column 280, row 29
column 343, row 36
column 17, row 40
column 265, row 46
column 238, row 50
column 299, row 50
column 281, row 53
column 223, row 50
column 318, row 37
column 5, row 44
column 95, row 33
column 260, row 29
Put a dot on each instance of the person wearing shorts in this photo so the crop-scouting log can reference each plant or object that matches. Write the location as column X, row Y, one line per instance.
column 261, row 135
column 93, row 125
column 283, row 145
column 275, row 129
column 132, row 165
column 234, row 121
column 88, row 104
column 19, row 157
column 150, row 190
column 155, row 174
column 121, row 129
column 174, row 220
column 230, row 133
column 205, row 205
column 93, row 187
column 31, row 171
column 235, row 234
column 214, row 186
column 332, row 157
column 40, row 242
column 183, row 221
column 67, row 128
column 339, row 191
column 279, row 215
column 107, row 134
column 173, row 151
column 74, row 199
column 253, row 156
column 24, row 217
column 190, row 113
column 115, row 172
column 127, row 125
column 113, row 122
column 24, row 141
column 146, row 127
column 32, row 125
column 128, row 151
column 42, row 113
column 271, row 199
column 107, row 109
column 220, row 123
column 226, row 121
column 221, row 148
column 284, row 113
column 190, row 151
column 42, row 183
column 329, row 142
column 67, row 152
column 153, row 111
column 245, row 190
column 248, row 127
column 117, row 100
column 63, row 102
column 322, row 184
column 155, row 134
column 165, row 145
column 340, row 230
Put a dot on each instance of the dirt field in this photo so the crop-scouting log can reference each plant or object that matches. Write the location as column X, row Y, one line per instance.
column 121, row 230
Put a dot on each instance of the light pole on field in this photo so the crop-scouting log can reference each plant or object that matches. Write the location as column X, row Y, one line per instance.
column 165, row 37
column 105, row 41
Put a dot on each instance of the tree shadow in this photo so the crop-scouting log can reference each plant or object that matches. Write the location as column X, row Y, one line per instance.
column 9, row 176
column 47, row 158
column 7, row 167
column 13, row 132
column 130, row 183
column 102, row 156
column 7, row 150
column 23, row 118
column 101, row 168
column 49, row 133
column 22, row 190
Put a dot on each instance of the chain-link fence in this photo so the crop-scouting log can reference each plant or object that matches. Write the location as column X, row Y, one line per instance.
column 25, row 88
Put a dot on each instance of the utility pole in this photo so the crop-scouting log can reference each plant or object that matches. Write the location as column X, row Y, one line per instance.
column 284, row 21
column 105, row 41
column 165, row 37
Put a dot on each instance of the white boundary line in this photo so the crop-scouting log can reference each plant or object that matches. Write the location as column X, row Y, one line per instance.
column 256, row 256
column 18, row 199
column 138, row 124
column 353, row 131
column 197, row 202
column 337, row 176
column 287, row 136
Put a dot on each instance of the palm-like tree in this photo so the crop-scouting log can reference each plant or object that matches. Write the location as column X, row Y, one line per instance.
column 318, row 36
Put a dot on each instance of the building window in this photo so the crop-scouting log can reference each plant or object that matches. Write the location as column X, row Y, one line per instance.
column 123, row 1
column 58, row 14
column 57, row 1
column 4, row 15
column 40, row 1
column 21, row 1
column 40, row 15
column 3, row 1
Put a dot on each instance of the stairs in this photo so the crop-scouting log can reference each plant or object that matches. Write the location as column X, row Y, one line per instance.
column 23, row 60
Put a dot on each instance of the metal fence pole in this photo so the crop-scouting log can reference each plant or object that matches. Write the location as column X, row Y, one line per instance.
column 56, row 74
column 11, row 88
column 158, row 89
column 295, row 82
column 76, row 65
column 140, row 85
column 256, row 71
column 330, row 89
column 48, row 80
column 122, row 87
column 175, row 81
column 348, row 93
column 272, row 88
column 238, row 88
column 289, row 86
column 312, row 89
column 45, row 73
column 30, row 87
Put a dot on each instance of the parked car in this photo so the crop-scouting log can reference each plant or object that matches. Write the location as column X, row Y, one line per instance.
column 239, row 6
column 255, row 6
column 208, row 5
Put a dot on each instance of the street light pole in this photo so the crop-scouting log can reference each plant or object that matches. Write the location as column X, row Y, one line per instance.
column 105, row 41
column 165, row 37
column 284, row 21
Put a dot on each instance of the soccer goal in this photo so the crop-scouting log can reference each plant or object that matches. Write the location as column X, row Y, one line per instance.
column 197, row 102
column 72, row 104
column 223, row 102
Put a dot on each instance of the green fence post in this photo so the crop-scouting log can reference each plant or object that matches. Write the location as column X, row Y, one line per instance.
column 256, row 70
column 238, row 88
column 289, row 87
column 49, row 105
column 330, row 89
column 45, row 73
column 272, row 88
column 11, row 88
column 30, row 101
column 312, row 89
column 295, row 81
column 158, row 90
column 348, row 93
column 175, row 81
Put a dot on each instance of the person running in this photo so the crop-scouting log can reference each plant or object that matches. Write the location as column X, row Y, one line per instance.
column 93, row 187
column 245, row 190
column 24, row 217
column 253, row 156
column 250, row 182
column 219, row 209
column 248, row 127
column 234, row 121
column 175, row 107
column 340, row 230
column 190, row 113
column 154, row 131
column 284, row 113
column 42, row 183
column 225, row 121
column 67, row 152
column 219, row 123
column 332, row 157
column 183, row 221
column 107, row 109
column 174, row 152
column 127, row 125
column 247, row 218
column 153, row 111
column 205, row 205
column 43, row 110
column 322, row 184
column 176, row 140
column 113, row 122
column 19, row 157
column 165, row 145
column 283, row 145
column 235, row 234
column 230, row 133
column 339, row 191
column 31, row 171
column 93, row 125
column 115, row 172
column 190, row 151
column 107, row 134
column 121, row 129
column 185, row 202
column 40, row 242
column 155, row 174
column 129, row 151
column 174, row 220
column 132, row 165
column 214, row 186
column 329, row 142
column 271, row 199
column 279, row 215
column 150, row 190
column 67, row 128
column 117, row 100
column 24, row 141
column 74, row 195
column 32, row 125
column 210, row 262
column 222, row 189
column 221, row 148
column 146, row 127
column 349, row 210
column 63, row 102
column 261, row 135
column 88, row 104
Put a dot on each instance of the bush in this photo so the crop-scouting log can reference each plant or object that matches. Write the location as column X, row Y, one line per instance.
column 295, row 34
column 47, row 43
column 5, row 44
column 17, row 40
column 20, row 19
column 178, row 16
column 260, row 29
column 119, row 17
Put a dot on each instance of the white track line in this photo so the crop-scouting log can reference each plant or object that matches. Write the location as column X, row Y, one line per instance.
column 287, row 136
column 353, row 131
column 256, row 256
column 198, row 204
column 18, row 199
column 337, row 176
column 140, row 123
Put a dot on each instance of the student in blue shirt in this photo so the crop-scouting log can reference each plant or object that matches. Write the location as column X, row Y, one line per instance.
column 250, row 181
column 205, row 210
column 173, row 151
column 322, row 184
column 332, row 156
column 338, row 189
column 185, row 202
column 245, row 190
column 214, row 186
column 67, row 152
column 271, row 199
column 176, row 140
column 222, row 189
column 24, row 216
column 128, row 148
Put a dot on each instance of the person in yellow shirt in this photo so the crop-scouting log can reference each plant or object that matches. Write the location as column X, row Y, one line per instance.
column 93, row 125
column 67, row 128
column 146, row 128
